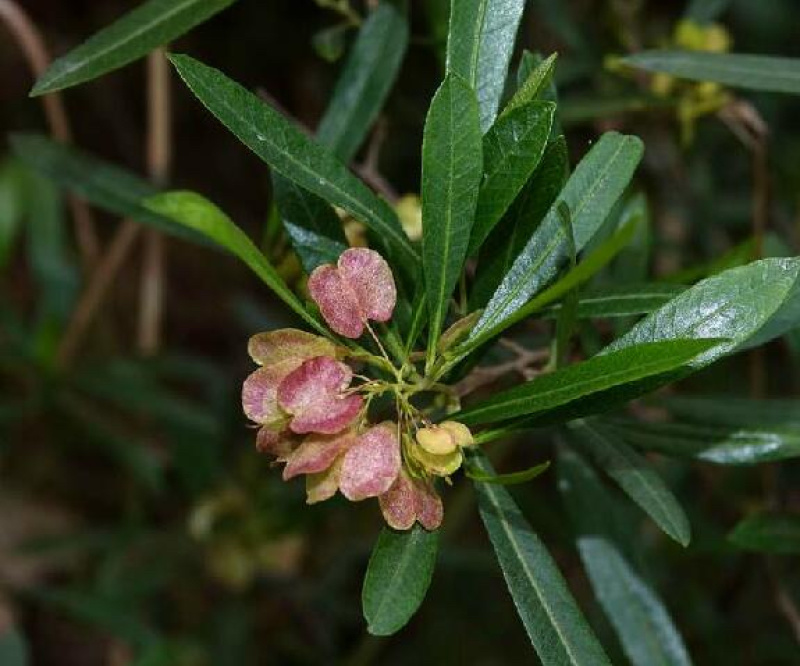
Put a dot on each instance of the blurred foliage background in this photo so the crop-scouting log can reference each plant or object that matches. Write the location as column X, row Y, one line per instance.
column 137, row 523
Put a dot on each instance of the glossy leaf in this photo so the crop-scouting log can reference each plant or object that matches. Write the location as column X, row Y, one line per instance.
column 636, row 477
column 148, row 26
column 751, row 72
column 199, row 214
column 534, row 84
column 511, row 234
column 398, row 577
column 734, row 412
column 365, row 81
column 479, row 47
column 510, row 479
column 294, row 155
column 714, row 444
column 512, row 149
column 590, row 194
column 747, row 306
column 451, row 175
column 777, row 533
column 640, row 619
column 107, row 186
column 312, row 226
column 591, row 377
column 552, row 619
column 622, row 301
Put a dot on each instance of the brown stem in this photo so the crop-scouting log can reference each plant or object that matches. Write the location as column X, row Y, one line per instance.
column 159, row 162
column 521, row 363
column 32, row 45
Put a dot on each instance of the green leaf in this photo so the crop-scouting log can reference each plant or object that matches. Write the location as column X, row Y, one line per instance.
column 150, row 25
column 398, row 577
column 777, row 533
column 533, row 85
column 636, row 477
column 621, row 301
column 314, row 229
column 365, row 81
column 590, row 194
column 479, row 47
column 294, row 155
column 511, row 479
column 596, row 375
column 510, row 235
column 512, row 149
column 734, row 412
column 12, row 206
column 107, row 186
column 552, row 619
column 714, row 444
column 751, row 72
column 747, row 306
column 640, row 619
column 451, row 175
column 197, row 213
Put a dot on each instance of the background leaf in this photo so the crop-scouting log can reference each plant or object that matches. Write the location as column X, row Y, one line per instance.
column 398, row 577
column 552, row 619
column 451, row 174
column 148, row 26
column 640, row 619
column 777, row 533
column 365, row 81
column 636, row 477
column 751, row 72
column 479, row 47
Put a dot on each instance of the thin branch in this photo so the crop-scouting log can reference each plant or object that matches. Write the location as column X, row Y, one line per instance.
column 522, row 363
column 32, row 45
column 159, row 163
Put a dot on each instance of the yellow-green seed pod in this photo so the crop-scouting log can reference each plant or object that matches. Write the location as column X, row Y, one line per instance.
column 436, row 440
column 460, row 433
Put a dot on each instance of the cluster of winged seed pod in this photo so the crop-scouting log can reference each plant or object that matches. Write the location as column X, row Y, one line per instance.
column 313, row 410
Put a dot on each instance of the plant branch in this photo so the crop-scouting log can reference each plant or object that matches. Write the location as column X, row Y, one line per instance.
column 32, row 45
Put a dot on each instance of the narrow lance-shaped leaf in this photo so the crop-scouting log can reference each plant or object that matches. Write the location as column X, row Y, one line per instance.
column 636, row 477
column 512, row 149
column 105, row 185
column 479, row 47
column 751, row 72
column 598, row 374
column 552, row 619
column 398, row 577
column 713, row 444
column 365, row 81
column 621, row 301
column 451, row 174
column 725, row 410
column 640, row 619
column 294, row 155
column 511, row 234
column 777, row 533
column 590, row 194
column 534, row 84
column 747, row 306
column 150, row 25
column 197, row 213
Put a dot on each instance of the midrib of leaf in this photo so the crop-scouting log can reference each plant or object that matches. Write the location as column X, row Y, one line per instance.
column 490, row 491
column 397, row 571
column 471, row 342
column 163, row 18
column 354, row 203
column 476, row 54
column 570, row 388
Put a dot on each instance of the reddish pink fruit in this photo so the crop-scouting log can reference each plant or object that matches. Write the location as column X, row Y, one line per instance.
column 360, row 287
column 313, row 395
column 372, row 464
column 411, row 500
column 316, row 454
